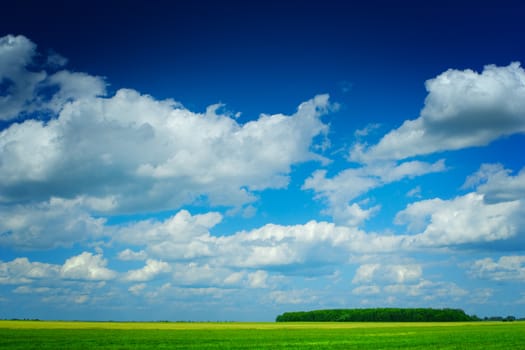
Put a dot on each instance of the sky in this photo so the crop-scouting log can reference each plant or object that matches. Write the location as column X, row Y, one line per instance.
column 206, row 161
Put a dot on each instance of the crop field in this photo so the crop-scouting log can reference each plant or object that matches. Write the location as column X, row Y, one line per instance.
column 134, row 335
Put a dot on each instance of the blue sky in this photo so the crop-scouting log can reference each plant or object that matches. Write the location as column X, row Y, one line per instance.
column 205, row 161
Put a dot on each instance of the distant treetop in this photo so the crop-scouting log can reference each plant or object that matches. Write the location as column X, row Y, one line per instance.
column 378, row 315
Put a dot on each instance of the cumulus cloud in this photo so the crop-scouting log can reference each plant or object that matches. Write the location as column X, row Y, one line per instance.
column 415, row 192
column 194, row 274
column 87, row 266
column 137, row 289
column 293, row 297
column 133, row 153
column 79, row 292
column 28, row 90
column 51, row 224
column 88, row 156
column 462, row 109
column 258, row 279
column 30, row 290
column 21, row 270
column 148, row 272
column 506, row 268
column 428, row 290
column 197, row 297
column 216, row 275
column 464, row 219
column 182, row 236
column 395, row 273
column 366, row 130
column 18, row 84
column 128, row 254
column 83, row 267
column 494, row 212
column 276, row 245
column 351, row 183
column 351, row 214
column 71, row 86
column 55, row 60
column 497, row 184
column 366, row 290
column 241, row 258
column 186, row 237
column 146, row 154
column 431, row 223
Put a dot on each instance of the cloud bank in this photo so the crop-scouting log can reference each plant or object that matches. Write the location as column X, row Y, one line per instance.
column 462, row 109
column 133, row 191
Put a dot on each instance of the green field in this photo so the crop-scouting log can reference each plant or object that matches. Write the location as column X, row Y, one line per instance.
column 115, row 335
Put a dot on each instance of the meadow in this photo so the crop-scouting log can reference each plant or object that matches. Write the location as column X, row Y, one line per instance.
column 350, row 335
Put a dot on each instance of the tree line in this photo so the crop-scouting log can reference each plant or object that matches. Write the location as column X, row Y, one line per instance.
column 378, row 315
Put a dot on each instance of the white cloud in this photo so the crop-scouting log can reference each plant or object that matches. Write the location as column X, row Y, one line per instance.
column 276, row 245
column 496, row 183
column 148, row 272
column 365, row 273
column 79, row 292
column 16, row 53
column 130, row 152
column 30, row 290
column 433, row 224
column 506, row 268
column 389, row 172
column 294, row 296
column 351, row 183
column 128, row 254
column 146, row 154
column 206, row 275
column 367, row 130
column 351, row 214
column 366, row 290
column 428, row 290
column 233, row 259
column 197, row 296
column 462, row 109
column 481, row 296
column 83, row 267
column 182, row 236
column 55, row 60
column 234, row 278
column 28, row 152
column 55, row 223
column 28, row 90
column 137, row 289
column 186, row 237
column 345, row 186
column 86, row 266
column 494, row 212
column 193, row 274
column 72, row 86
column 464, row 219
column 415, row 192
column 258, row 279
column 81, row 299
column 387, row 273
column 21, row 270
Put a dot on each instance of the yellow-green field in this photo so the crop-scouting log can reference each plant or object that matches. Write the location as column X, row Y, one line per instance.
column 233, row 325
column 138, row 335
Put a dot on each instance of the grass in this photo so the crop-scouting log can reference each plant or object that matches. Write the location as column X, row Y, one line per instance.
column 134, row 335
